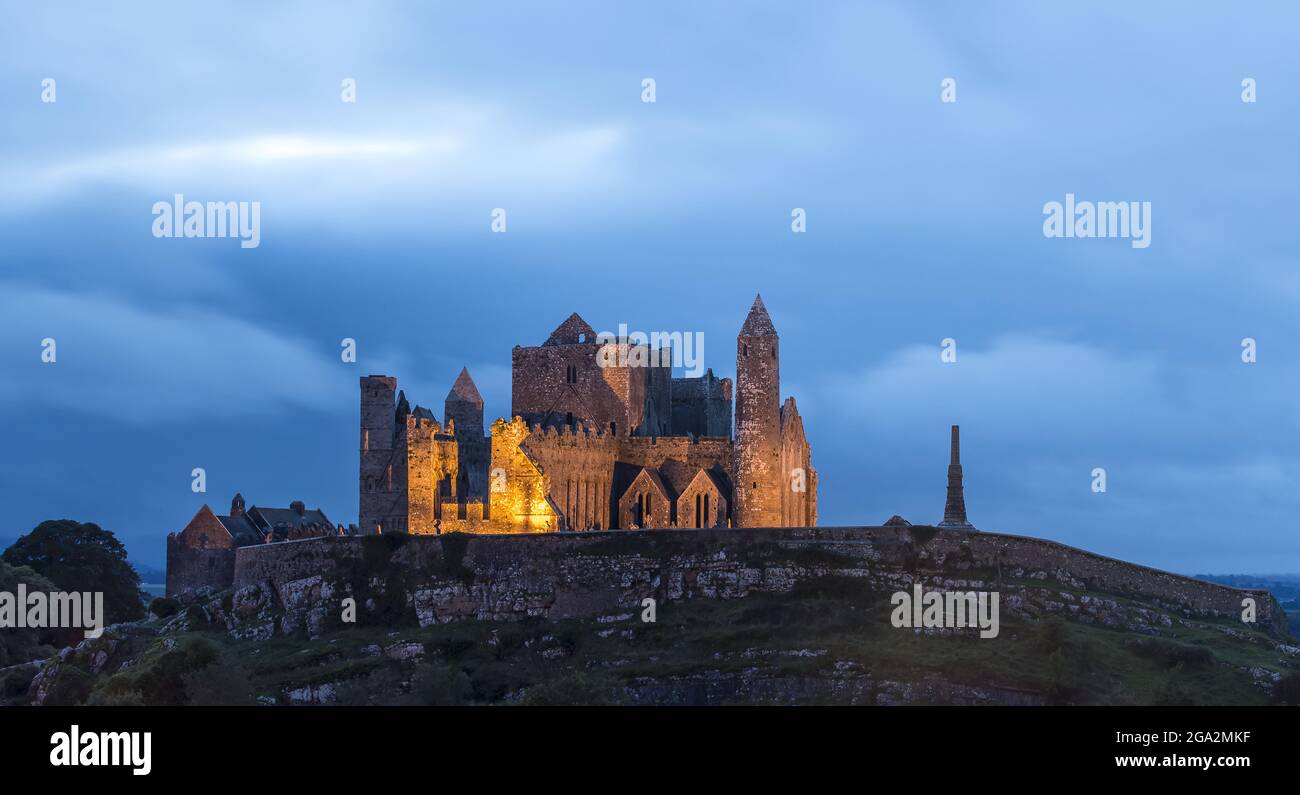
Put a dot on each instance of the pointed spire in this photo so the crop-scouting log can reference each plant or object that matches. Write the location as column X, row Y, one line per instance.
column 464, row 389
column 954, row 510
column 758, row 323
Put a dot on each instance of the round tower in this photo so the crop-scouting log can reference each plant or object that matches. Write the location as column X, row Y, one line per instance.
column 756, row 470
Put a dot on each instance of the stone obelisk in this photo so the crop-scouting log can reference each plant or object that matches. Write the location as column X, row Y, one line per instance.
column 954, row 510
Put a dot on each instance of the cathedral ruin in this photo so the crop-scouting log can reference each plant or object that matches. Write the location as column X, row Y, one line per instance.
column 600, row 438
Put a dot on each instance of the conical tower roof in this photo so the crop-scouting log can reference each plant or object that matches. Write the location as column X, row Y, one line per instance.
column 464, row 389
column 758, row 324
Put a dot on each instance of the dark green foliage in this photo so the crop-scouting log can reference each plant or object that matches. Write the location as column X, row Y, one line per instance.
column 14, row 682
column 1062, row 682
column 78, row 556
column 1174, row 693
column 440, row 686
column 1172, row 654
column 379, row 687
column 222, row 683
column 70, row 688
column 1050, row 634
column 164, row 607
column 26, row 644
column 161, row 680
column 577, row 688
column 1287, row 689
column 115, row 698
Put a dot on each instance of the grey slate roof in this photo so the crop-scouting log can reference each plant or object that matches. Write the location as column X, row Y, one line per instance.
column 252, row 526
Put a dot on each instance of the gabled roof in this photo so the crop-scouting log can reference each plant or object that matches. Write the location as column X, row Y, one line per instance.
column 651, row 476
column 709, row 476
column 568, row 332
column 242, row 529
column 758, row 323
column 206, row 524
column 269, row 518
column 464, row 389
column 677, row 475
column 420, row 412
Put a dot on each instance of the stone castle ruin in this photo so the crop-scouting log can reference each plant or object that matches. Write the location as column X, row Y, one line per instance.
column 602, row 436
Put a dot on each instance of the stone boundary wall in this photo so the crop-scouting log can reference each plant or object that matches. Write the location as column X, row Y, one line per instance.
column 562, row 575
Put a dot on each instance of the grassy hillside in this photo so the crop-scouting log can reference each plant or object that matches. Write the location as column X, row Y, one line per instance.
column 828, row 641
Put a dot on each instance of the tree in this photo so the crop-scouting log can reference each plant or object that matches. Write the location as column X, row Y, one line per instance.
column 22, row 645
column 83, row 557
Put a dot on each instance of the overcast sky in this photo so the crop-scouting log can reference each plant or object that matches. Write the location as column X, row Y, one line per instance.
column 924, row 222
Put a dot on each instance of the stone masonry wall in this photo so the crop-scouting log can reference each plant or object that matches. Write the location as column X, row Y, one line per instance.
column 579, row 471
column 432, row 466
column 484, row 577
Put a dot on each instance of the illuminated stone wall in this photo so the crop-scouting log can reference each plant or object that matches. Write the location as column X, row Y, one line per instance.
column 432, row 469
column 520, row 491
column 799, row 494
column 579, row 470
column 580, row 434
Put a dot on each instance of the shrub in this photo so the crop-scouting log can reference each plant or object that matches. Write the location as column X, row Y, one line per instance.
column 164, row 607
column 1170, row 653
column 116, row 698
column 1051, row 633
column 1287, row 689
column 574, row 689
column 162, row 682
column 70, row 687
column 440, row 686
column 221, row 683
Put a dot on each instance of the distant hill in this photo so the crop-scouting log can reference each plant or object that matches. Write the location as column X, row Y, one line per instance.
column 150, row 574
